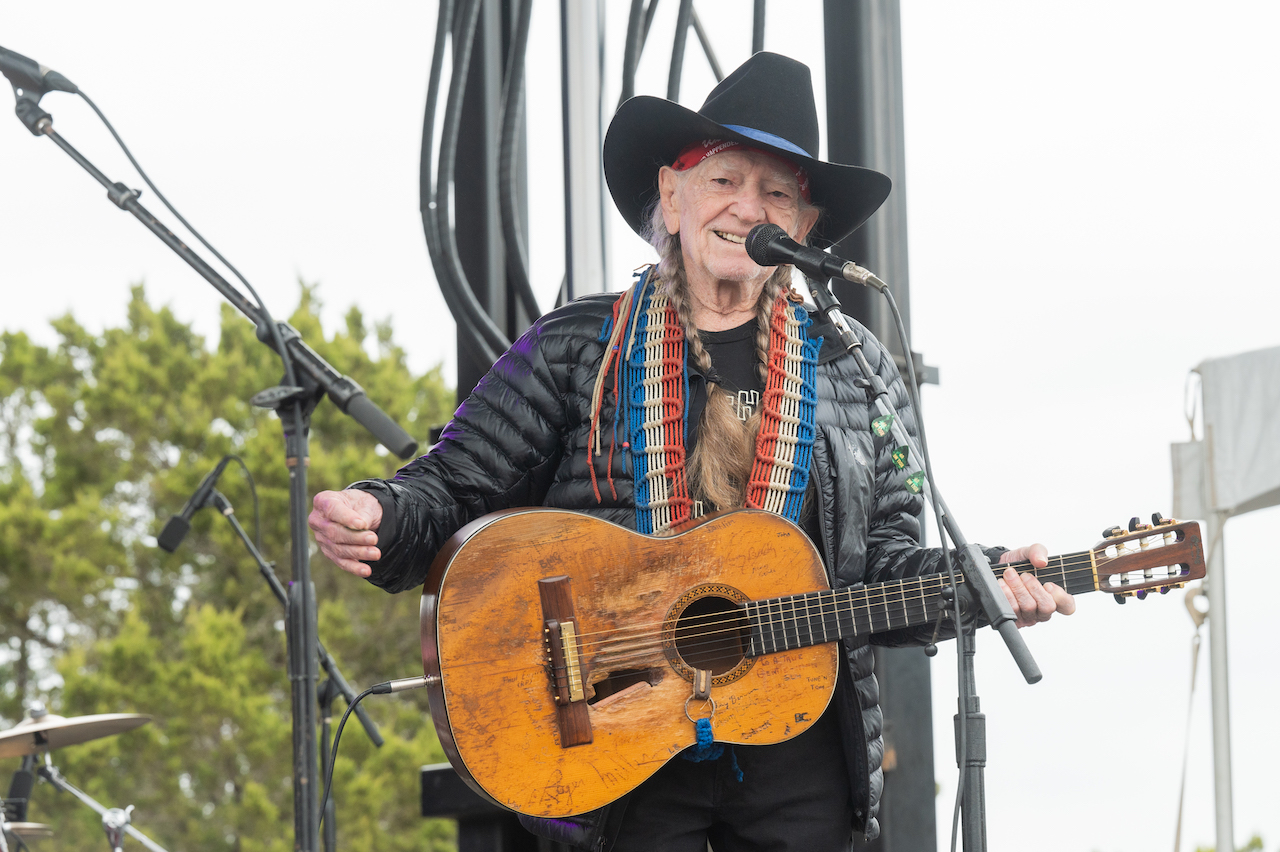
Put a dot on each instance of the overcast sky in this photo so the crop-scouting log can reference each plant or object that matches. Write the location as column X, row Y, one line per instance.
column 1091, row 198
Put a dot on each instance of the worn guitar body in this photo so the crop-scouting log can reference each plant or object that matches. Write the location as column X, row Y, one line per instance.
column 638, row 608
column 568, row 658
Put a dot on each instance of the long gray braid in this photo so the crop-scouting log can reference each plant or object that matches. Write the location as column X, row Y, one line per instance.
column 719, row 467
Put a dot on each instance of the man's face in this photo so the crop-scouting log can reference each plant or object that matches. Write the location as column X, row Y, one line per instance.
column 714, row 205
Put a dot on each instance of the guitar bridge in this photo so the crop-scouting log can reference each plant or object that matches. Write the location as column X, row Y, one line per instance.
column 564, row 661
column 564, row 653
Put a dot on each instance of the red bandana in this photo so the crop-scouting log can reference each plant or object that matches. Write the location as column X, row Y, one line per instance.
column 703, row 148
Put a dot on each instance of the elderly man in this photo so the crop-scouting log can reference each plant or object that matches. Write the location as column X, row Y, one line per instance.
column 709, row 341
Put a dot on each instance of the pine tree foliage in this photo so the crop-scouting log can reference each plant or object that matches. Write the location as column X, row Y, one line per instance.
column 102, row 437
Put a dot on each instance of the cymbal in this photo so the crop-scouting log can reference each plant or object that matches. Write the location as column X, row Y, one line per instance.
column 28, row 829
column 45, row 733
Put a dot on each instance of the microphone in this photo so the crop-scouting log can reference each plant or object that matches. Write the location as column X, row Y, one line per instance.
column 179, row 525
column 769, row 245
column 33, row 78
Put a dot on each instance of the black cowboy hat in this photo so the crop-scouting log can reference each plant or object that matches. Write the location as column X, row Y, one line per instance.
column 767, row 103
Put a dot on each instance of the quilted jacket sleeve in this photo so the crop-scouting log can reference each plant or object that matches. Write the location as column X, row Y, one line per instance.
column 500, row 450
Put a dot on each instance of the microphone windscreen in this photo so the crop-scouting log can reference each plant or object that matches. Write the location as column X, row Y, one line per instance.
column 173, row 533
column 759, row 244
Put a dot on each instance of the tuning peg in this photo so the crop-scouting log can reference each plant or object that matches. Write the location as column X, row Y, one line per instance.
column 1120, row 599
column 1113, row 532
column 1142, row 594
column 1164, row 590
column 1137, row 526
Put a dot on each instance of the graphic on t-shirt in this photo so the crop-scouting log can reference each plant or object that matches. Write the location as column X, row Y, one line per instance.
column 745, row 403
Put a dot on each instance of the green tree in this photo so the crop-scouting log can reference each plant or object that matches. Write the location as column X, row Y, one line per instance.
column 1254, row 844
column 101, row 437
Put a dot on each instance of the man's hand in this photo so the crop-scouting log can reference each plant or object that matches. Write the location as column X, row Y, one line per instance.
column 345, row 524
column 1033, row 602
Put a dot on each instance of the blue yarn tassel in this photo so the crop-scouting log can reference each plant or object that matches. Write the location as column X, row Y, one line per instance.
column 707, row 748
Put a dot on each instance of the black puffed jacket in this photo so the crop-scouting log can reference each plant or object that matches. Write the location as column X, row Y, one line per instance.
column 520, row 439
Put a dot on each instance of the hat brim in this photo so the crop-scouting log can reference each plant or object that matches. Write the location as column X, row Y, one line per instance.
column 647, row 133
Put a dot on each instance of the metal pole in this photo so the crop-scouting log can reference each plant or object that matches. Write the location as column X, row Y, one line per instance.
column 865, row 127
column 1216, row 583
column 582, row 54
column 50, row 773
column 973, row 763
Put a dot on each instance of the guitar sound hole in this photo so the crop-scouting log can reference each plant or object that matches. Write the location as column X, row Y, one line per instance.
column 712, row 634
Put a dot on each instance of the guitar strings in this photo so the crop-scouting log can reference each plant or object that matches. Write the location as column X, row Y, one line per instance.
column 798, row 611
column 913, row 594
column 1068, row 568
column 914, row 588
column 805, row 611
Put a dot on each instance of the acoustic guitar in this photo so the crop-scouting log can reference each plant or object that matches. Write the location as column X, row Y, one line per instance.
column 575, row 657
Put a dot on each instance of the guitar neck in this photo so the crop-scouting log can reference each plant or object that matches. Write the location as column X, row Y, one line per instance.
column 798, row 621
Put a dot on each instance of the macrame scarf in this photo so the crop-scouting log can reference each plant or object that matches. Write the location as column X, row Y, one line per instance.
column 646, row 345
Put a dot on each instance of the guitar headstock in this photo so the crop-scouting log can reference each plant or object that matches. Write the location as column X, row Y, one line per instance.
column 1160, row 556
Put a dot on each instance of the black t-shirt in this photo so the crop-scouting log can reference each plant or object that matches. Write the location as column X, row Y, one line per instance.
column 733, row 360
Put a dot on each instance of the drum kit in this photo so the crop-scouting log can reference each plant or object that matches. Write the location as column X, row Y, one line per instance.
column 40, row 733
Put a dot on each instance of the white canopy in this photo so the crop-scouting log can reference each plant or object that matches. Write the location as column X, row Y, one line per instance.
column 1236, row 468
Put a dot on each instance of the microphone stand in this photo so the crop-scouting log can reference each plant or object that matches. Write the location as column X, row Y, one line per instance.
column 328, row 691
column 293, row 404
column 115, row 822
column 335, row 685
column 980, row 581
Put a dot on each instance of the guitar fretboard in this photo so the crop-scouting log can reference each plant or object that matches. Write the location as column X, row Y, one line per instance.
column 798, row 621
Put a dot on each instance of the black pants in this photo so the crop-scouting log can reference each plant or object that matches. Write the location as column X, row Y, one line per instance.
column 793, row 797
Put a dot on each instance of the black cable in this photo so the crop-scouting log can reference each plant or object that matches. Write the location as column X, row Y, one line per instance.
column 961, row 639
column 426, row 173
column 384, row 688
column 512, row 112
column 637, row 35
column 648, row 22
column 562, row 295
column 757, row 27
column 266, row 315
column 677, row 49
column 962, row 746
column 257, row 509
column 489, row 338
column 474, row 322
column 333, row 753
column 631, row 53
column 447, row 268
column 706, row 44
column 428, row 200
column 272, row 329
